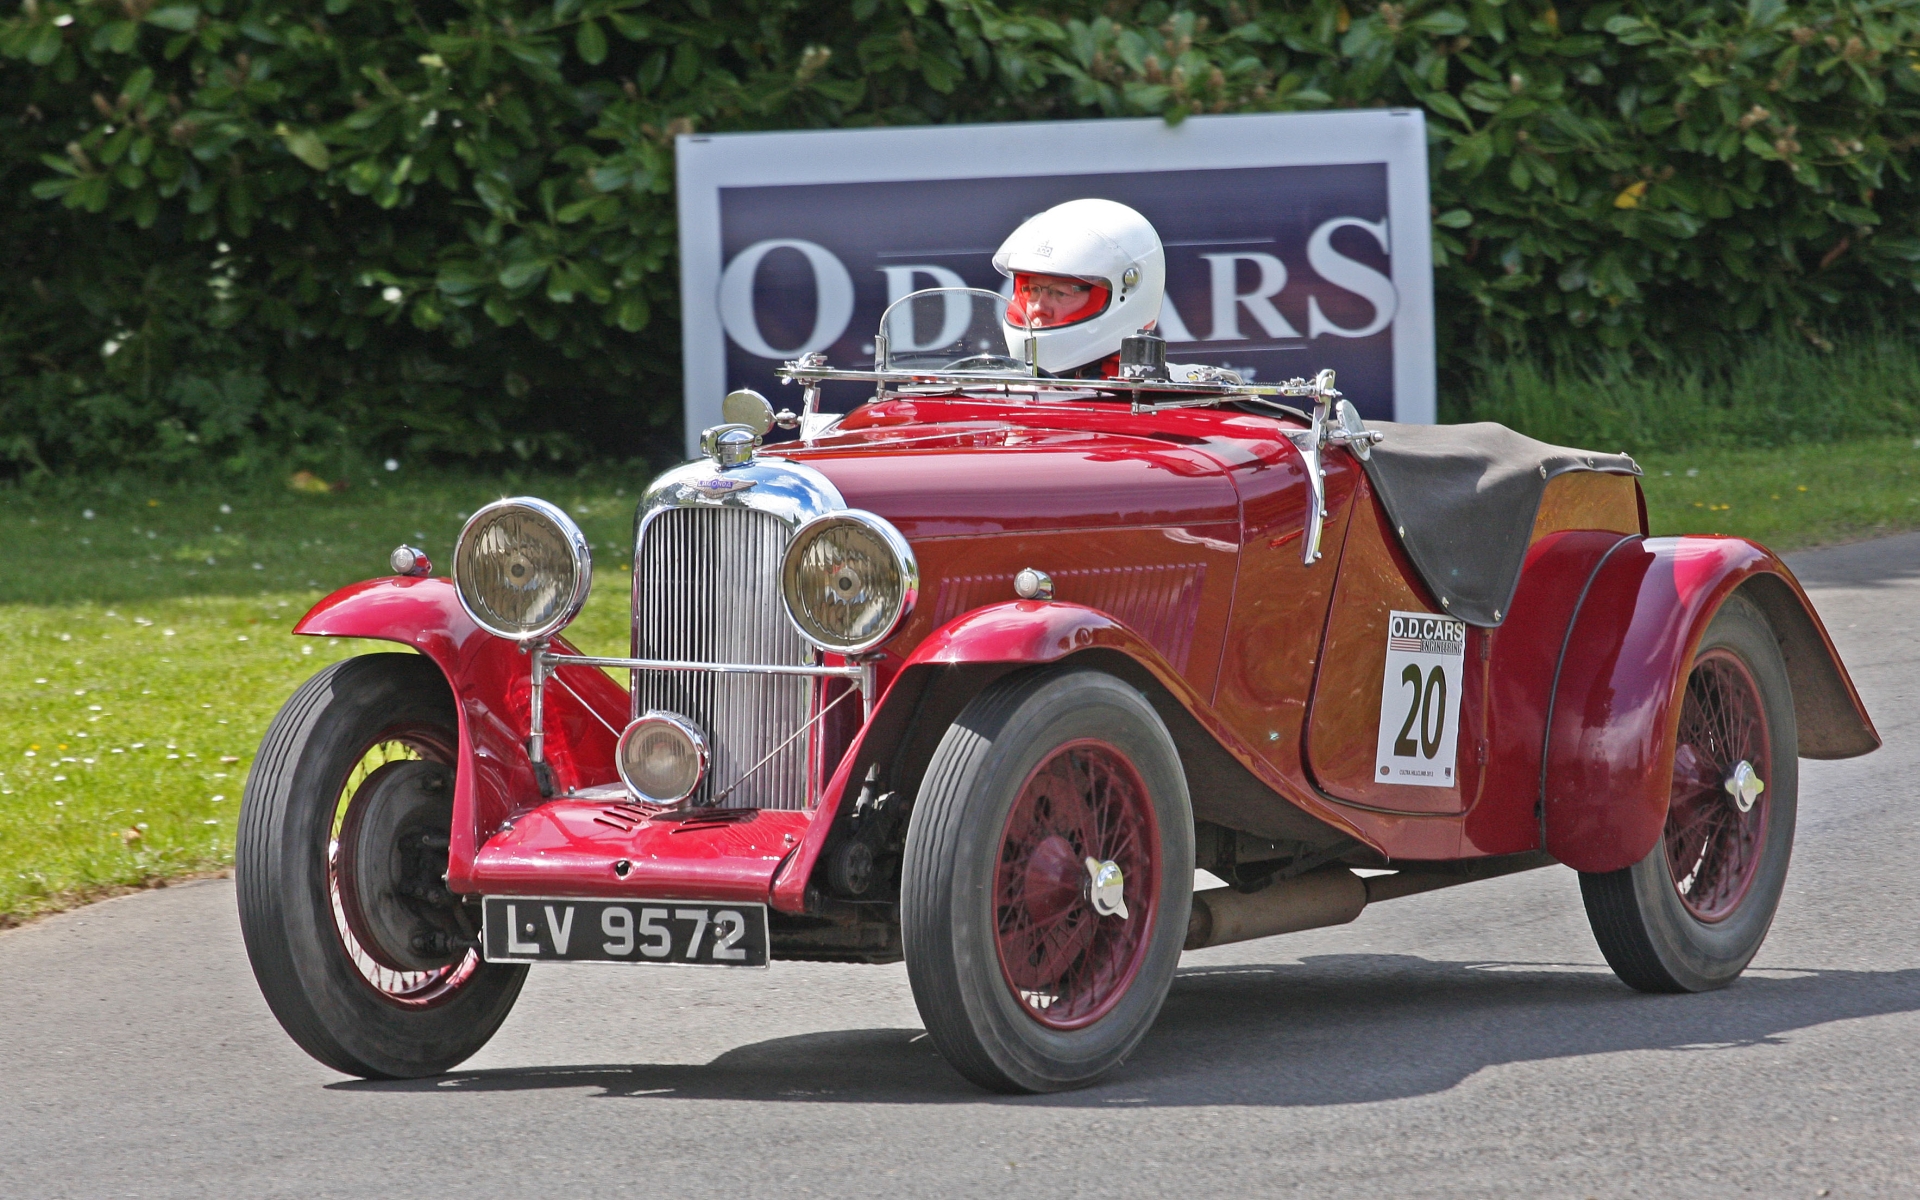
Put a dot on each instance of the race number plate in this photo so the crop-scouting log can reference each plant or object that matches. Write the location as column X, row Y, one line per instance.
column 1420, row 700
column 689, row 933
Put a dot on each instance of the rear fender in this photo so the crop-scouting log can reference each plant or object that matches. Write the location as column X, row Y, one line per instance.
column 1615, row 708
column 490, row 679
column 952, row 664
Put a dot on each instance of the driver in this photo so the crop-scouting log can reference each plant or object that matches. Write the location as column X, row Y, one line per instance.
column 1085, row 274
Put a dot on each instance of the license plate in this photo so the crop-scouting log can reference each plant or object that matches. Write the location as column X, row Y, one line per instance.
column 534, row 929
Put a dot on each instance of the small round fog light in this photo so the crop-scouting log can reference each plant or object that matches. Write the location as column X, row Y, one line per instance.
column 662, row 757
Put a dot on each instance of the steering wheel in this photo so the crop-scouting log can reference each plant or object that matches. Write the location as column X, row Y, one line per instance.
column 987, row 362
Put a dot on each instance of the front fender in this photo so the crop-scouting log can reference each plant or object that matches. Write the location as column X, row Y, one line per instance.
column 930, row 688
column 1615, row 707
column 490, row 679
column 1027, row 632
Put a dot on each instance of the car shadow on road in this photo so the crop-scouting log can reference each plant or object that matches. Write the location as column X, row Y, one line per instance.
column 1332, row 1029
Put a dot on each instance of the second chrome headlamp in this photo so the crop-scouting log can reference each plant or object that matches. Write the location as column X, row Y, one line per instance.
column 849, row 578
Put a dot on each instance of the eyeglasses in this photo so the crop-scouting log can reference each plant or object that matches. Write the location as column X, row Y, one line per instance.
column 1057, row 292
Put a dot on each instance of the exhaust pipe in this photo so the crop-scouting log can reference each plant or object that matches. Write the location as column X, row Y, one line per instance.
column 1330, row 895
column 1327, row 896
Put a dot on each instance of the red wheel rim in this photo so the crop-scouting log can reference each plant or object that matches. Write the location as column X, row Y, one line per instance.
column 1713, row 848
column 1065, row 963
column 403, row 989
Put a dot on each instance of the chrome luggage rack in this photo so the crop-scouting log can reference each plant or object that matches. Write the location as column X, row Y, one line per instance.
column 811, row 370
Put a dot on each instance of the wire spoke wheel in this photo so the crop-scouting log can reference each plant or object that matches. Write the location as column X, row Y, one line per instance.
column 1067, row 963
column 408, row 989
column 1713, row 848
column 1692, row 913
column 364, row 954
column 1048, row 872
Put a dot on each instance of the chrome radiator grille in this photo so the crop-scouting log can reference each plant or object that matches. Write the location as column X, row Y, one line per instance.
column 706, row 587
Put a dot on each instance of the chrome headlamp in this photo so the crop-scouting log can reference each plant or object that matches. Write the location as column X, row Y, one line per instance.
column 661, row 757
column 522, row 568
column 848, row 580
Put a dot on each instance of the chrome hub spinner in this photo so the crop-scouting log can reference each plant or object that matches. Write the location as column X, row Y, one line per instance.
column 1105, row 886
column 1745, row 786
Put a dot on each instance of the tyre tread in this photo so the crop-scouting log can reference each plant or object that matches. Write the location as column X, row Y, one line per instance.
column 1614, row 914
column 1643, row 932
column 949, row 970
column 926, row 900
column 346, row 1030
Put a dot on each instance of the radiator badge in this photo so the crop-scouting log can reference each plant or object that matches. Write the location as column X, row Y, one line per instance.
column 715, row 486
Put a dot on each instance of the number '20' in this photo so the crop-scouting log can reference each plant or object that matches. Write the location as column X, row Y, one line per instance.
column 1429, row 708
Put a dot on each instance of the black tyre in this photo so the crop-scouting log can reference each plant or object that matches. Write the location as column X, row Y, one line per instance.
column 1047, row 881
column 361, row 952
column 1692, row 914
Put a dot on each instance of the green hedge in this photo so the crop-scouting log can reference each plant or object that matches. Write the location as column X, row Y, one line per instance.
column 243, row 229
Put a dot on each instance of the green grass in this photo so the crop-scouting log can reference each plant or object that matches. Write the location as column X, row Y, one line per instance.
column 137, row 677
column 1788, row 497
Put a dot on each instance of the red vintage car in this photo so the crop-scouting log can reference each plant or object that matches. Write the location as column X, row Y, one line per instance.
column 979, row 674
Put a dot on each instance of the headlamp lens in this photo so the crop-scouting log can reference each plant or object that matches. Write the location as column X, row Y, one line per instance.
column 848, row 579
column 522, row 568
column 662, row 757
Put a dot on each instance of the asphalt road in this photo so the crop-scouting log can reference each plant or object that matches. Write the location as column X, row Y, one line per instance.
column 1461, row 1043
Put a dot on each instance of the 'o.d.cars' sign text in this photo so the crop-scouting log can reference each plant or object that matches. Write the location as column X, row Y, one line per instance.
column 1293, row 242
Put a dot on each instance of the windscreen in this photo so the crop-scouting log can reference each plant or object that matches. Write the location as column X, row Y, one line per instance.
column 946, row 329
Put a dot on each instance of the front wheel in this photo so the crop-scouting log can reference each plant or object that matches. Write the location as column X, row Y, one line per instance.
column 1691, row 914
column 1047, row 881
column 369, row 962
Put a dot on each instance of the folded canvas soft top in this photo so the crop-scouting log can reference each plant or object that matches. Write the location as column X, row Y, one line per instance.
column 1463, row 499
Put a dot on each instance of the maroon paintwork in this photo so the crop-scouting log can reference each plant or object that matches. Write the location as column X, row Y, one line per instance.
column 1174, row 542
column 1617, row 707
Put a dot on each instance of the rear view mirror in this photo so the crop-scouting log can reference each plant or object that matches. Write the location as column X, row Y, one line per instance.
column 747, row 407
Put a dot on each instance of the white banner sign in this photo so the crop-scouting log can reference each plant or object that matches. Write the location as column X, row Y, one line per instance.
column 1294, row 241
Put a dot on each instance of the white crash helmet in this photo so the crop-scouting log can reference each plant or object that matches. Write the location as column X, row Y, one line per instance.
column 1108, row 247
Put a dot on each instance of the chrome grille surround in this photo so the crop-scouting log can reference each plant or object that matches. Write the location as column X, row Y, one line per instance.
column 706, row 588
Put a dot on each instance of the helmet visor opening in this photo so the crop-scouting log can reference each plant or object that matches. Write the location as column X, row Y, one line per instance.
column 1050, row 301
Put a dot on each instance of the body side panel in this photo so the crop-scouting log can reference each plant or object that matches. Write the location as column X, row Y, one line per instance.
column 1343, row 723
column 1171, row 585
column 1589, row 500
column 1522, row 657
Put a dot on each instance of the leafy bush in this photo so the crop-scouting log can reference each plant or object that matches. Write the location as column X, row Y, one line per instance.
column 446, row 226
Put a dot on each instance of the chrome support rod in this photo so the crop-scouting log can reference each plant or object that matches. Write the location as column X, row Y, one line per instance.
column 1189, row 393
column 862, row 676
column 536, row 705
column 855, row 673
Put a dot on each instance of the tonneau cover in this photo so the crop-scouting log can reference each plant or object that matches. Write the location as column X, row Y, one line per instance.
column 1463, row 499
